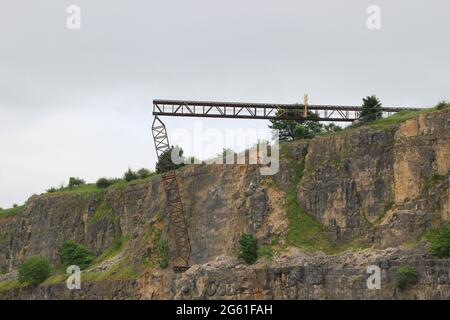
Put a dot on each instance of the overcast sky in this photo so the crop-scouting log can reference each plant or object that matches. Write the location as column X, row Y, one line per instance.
column 78, row 102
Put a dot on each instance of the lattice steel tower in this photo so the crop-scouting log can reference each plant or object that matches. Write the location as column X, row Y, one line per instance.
column 174, row 207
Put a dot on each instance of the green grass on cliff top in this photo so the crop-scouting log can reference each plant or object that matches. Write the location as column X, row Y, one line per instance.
column 406, row 115
column 92, row 187
column 11, row 211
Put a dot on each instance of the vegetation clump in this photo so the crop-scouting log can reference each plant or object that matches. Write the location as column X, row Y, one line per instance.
column 72, row 253
column 440, row 244
column 144, row 173
column 289, row 130
column 34, row 270
column 11, row 211
column 75, row 182
column 248, row 248
column 405, row 277
column 442, row 105
column 162, row 253
column 165, row 162
column 130, row 175
column 104, row 183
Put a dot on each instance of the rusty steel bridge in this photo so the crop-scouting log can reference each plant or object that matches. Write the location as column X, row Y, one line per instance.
column 230, row 110
column 239, row 110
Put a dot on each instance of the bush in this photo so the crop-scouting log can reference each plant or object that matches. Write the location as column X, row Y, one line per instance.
column 144, row 173
column 440, row 244
column 75, row 182
column 34, row 270
column 51, row 190
column 406, row 276
column 248, row 248
column 130, row 175
column 442, row 105
column 72, row 253
column 162, row 253
column 103, row 183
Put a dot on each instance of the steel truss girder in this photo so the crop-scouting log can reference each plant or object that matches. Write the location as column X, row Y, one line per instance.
column 236, row 110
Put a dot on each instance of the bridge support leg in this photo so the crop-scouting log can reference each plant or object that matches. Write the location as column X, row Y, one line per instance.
column 174, row 204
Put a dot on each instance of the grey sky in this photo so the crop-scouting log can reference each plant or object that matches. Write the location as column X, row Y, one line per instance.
column 78, row 103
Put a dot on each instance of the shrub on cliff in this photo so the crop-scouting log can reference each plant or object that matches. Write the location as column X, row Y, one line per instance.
column 144, row 173
column 75, row 182
column 440, row 244
column 162, row 253
column 130, row 175
column 51, row 190
column 34, row 270
column 104, row 183
column 248, row 248
column 405, row 277
column 72, row 253
column 443, row 105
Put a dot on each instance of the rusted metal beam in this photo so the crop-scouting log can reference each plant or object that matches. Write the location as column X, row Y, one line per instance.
column 239, row 110
column 174, row 207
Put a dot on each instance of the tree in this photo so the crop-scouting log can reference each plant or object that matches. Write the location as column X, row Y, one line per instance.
column 34, row 270
column 248, row 248
column 371, row 109
column 72, row 253
column 301, row 129
column 165, row 162
column 285, row 128
column 75, row 182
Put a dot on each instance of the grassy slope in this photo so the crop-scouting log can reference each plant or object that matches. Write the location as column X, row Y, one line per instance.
column 11, row 212
column 304, row 230
column 90, row 188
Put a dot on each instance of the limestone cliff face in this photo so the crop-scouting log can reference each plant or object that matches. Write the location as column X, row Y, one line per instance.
column 382, row 186
column 221, row 202
column 301, row 276
column 370, row 181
